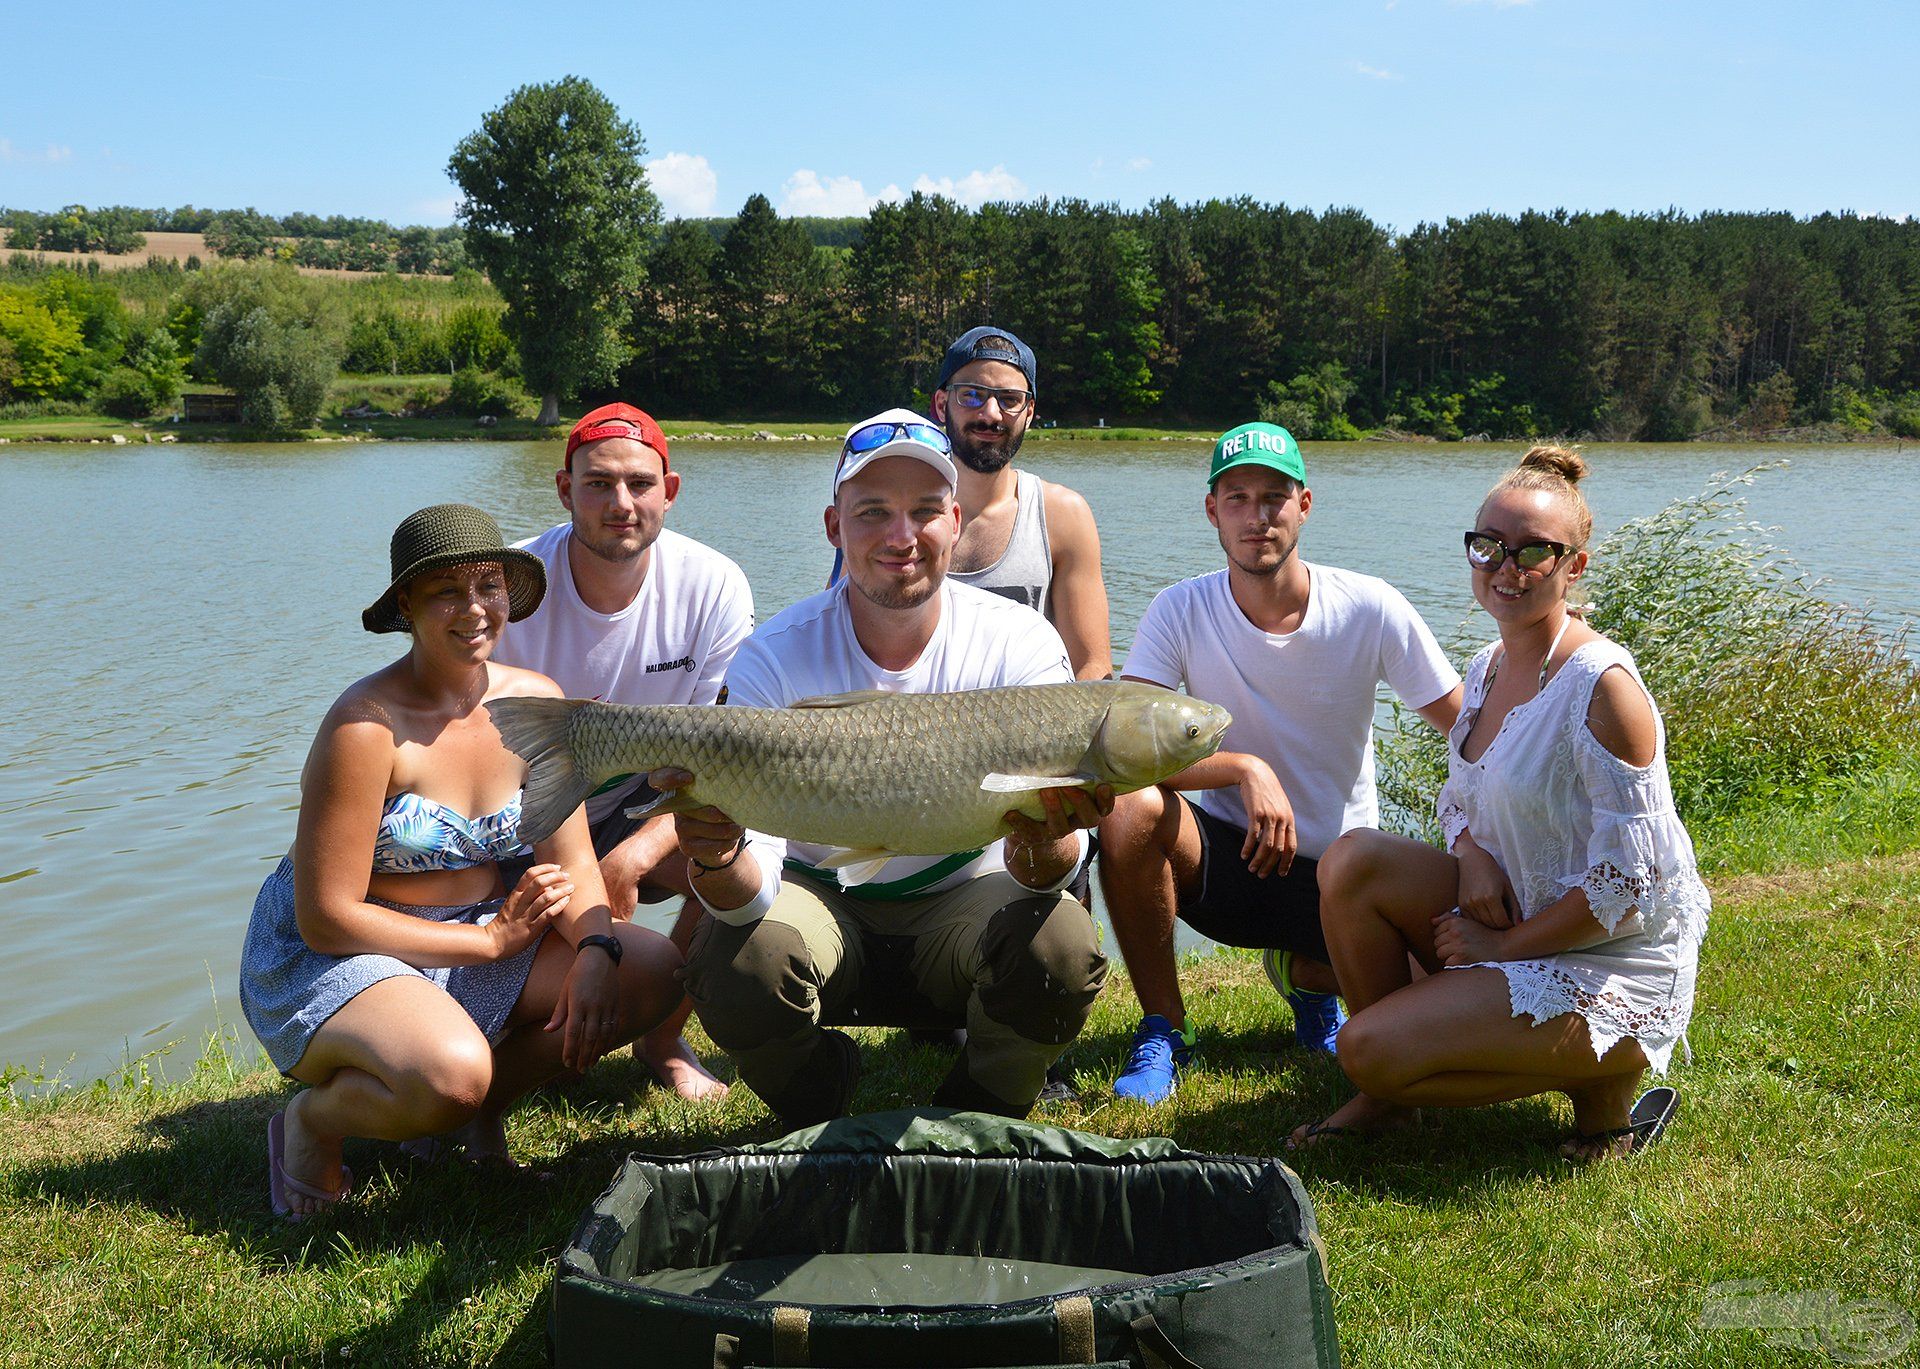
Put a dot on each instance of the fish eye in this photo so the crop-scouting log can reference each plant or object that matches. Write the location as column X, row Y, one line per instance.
column 1193, row 729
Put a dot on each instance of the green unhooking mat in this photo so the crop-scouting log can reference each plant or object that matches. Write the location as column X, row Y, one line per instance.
column 949, row 1240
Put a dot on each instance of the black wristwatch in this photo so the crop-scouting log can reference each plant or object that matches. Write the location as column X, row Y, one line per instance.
column 610, row 944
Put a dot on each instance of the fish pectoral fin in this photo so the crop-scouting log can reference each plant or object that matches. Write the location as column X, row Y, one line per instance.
column 996, row 783
column 856, row 867
column 847, row 700
column 668, row 801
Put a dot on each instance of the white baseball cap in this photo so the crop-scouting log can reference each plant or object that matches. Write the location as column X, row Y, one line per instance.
column 897, row 432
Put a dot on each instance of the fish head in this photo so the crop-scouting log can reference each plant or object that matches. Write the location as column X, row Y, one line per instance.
column 1150, row 733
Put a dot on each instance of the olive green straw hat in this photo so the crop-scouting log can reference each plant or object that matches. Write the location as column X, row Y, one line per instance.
column 451, row 535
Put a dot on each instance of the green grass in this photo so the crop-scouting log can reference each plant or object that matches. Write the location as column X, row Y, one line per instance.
column 390, row 392
column 134, row 1225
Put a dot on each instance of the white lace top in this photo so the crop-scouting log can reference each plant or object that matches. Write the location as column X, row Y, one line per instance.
column 1559, row 812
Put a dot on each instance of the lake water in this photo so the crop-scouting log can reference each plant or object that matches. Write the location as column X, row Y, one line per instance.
column 177, row 619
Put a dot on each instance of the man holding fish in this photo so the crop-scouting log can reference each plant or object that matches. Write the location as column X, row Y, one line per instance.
column 803, row 934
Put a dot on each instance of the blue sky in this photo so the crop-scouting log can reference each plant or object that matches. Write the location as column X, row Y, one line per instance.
column 1410, row 110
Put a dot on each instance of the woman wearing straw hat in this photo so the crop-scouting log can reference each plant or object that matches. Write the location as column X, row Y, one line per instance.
column 385, row 967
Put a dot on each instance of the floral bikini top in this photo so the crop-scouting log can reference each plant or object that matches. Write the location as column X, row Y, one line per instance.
column 418, row 835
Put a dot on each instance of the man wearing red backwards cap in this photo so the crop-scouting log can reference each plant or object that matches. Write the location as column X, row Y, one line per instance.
column 634, row 614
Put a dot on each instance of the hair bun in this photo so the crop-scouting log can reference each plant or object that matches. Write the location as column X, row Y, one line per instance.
column 1564, row 462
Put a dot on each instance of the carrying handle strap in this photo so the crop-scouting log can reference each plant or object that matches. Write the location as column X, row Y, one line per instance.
column 1073, row 1326
column 1156, row 1347
column 790, row 1335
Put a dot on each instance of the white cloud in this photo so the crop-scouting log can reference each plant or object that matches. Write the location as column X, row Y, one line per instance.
column 52, row 152
column 976, row 187
column 685, row 183
column 806, row 195
column 1375, row 73
column 1139, row 163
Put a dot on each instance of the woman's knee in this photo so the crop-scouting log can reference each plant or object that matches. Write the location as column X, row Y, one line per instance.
column 1372, row 1053
column 1348, row 864
column 445, row 1086
column 650, row 967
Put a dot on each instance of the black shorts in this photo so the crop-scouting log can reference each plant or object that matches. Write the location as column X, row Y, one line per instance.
column 1232, row 905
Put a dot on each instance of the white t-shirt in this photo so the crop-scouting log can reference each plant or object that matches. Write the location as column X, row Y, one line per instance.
column 983, row 641
column 1303, row 700
column 671, row 645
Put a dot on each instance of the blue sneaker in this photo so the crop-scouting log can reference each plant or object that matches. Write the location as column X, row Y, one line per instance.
column 1159, row 1053
column 1317, row 1017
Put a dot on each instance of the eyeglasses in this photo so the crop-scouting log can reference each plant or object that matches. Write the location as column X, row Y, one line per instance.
column 1487, row 552
column 1012, row 402
column 876, row 435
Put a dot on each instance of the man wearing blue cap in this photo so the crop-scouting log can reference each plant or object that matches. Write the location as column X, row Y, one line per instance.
column 1294, row 650
column 1023, row 537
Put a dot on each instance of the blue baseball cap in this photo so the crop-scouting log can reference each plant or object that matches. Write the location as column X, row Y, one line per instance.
column 988, row 344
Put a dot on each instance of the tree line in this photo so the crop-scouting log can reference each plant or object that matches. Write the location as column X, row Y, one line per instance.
column 1620, row 326
column 1655, row 327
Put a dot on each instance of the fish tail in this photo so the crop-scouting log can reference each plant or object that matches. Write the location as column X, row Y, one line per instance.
column 540, row 732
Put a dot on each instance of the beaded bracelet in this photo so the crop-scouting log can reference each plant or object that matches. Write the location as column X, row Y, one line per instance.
column 738, row 847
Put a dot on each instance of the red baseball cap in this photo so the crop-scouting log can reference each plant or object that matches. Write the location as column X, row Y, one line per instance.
column 618, row 420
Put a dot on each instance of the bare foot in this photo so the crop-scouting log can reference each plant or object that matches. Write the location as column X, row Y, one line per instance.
column 309, row 1159
column 1360, row 1114
column 1602, row 1119
column 678, row 1068
column 483, row 1140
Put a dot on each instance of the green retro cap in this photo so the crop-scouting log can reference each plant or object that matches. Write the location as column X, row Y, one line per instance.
column 1257, row 444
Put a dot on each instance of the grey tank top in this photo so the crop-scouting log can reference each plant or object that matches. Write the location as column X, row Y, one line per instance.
column 1025, row 569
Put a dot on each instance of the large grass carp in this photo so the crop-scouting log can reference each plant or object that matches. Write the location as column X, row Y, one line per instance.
column 872, row 772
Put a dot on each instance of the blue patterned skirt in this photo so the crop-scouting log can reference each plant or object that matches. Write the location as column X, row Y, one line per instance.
column 288, row 990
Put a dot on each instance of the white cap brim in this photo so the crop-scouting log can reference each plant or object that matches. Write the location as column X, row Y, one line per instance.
column 899, row 446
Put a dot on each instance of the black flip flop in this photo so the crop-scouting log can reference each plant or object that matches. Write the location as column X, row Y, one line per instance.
column 1651, row 1113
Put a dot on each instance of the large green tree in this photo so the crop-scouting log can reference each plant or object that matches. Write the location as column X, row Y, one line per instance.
column 558, row 214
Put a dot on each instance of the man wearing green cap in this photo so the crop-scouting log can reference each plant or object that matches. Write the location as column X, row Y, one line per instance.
column 1295, row 651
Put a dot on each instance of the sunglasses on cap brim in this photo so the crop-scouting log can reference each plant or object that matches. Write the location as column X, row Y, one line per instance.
column 876, row 435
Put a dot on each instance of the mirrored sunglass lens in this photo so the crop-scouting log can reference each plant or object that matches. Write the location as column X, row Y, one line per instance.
column 1484, row 551
column 873, row 435
column 932, row 436
column 1534, row 555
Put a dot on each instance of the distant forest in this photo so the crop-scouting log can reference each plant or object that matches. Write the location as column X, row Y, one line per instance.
column 1655, row 327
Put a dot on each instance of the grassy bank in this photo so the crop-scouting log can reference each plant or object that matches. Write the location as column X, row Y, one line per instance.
column 134, row 1225
column 102, row 428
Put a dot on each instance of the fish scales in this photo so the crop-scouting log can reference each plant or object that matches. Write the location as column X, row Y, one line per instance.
column 892, row 772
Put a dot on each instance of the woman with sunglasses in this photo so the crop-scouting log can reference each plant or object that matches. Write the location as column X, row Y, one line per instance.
column 1560, row 929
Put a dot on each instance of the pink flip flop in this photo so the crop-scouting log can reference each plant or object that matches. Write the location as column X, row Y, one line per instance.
column 280, row 1183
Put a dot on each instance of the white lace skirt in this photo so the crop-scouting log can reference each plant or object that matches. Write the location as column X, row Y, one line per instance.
column 1633, row 987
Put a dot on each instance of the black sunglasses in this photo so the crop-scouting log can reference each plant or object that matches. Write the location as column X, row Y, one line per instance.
column 976, row 396
column 1487, row 552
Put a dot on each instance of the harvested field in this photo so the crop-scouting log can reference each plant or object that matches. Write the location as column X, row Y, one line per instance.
column 176, row 247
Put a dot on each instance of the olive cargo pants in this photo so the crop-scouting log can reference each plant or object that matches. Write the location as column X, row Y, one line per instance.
column 1019, row 970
